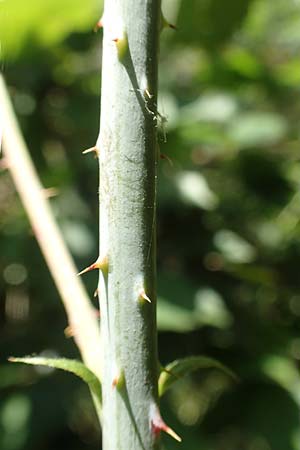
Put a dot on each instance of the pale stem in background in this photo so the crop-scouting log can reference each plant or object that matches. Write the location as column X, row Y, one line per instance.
column 81, row 314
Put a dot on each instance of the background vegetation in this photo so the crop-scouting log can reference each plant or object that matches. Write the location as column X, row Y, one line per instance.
column 228, row 219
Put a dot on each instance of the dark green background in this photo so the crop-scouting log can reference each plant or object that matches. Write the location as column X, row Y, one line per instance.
column 228, row 219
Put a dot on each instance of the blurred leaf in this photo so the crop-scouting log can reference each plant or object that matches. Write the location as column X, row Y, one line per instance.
column 242, row 61
column 173, row 317
column 15, row 416
column 263, row 175
column 256, row 410
column 194, row 189
column 43, row 23
column 181, row 367
column 211, row 107
column 233, row 247
column 211, row 309
column 257, row 128
column 13, row 376
column 79, row 237
column 183, row 306
column 204, row 22
column 72, row 366
column 284, row 371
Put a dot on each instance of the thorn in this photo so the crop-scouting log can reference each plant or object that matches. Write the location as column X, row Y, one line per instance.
column 50, row 192
column 171, row 433
column 167, row 158
column 148, row 94
column 69, row 332
column 101, row 264
column 170, row 25
column 90, row 150
column 96, row 293
column 93, row 266
column 159, row 425
column 98, row 25
column 144, row 296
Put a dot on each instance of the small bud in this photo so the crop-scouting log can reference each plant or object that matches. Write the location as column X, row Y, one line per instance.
column 121, row 44
column 119, row 381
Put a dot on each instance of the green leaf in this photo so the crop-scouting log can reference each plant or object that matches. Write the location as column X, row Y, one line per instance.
column 250, row 129
column 72, row 366
column 204, row 22
column 43, row 24
column 182, row 306
column 181, row 367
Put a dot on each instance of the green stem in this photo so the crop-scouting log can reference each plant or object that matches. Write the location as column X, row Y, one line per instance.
column 128, row 159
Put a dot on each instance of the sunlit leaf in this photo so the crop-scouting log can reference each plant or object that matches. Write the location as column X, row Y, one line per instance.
column 72, row 366
column 194, row 189
column 208, row 18
column 43, row 23
column 181, row 367
column 234, row 247
column 257, row 128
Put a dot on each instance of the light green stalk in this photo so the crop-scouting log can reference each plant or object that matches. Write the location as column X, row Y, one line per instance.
column 127, row 147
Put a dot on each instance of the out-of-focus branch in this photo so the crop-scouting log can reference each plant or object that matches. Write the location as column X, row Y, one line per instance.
column 81, row 314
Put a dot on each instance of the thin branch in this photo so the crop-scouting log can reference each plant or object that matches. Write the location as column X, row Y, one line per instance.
column 81, row 314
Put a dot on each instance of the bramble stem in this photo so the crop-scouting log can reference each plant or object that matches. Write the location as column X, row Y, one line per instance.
column 127, row 159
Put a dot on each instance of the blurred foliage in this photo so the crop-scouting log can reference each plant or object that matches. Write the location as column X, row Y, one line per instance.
column 228, row 219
